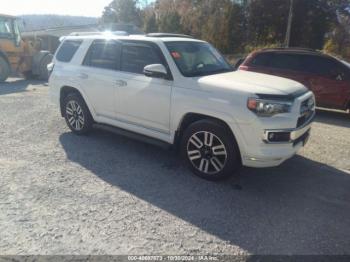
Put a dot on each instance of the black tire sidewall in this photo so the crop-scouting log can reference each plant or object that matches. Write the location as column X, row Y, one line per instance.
column 232, row 163
column 6, row 69
column 44, row 73
column 87, row 116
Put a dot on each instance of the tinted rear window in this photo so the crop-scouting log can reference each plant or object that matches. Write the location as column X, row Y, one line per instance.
column 104, row 54
column 67, row 50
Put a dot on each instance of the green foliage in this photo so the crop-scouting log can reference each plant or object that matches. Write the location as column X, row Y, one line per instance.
column 150, row 24
column 170, row 22
column 122, row 11
column 239, row 26
column 338, row 42
column 250, row 48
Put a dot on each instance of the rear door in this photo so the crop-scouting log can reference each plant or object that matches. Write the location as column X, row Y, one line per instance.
column 142, row 100
column 98, row 76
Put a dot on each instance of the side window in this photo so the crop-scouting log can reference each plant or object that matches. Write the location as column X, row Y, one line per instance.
column 67, row 50
column 287, row 62
column 5, row 28
column 325, row 67
column 136, row 56
column 262, row 59
column 103, row 54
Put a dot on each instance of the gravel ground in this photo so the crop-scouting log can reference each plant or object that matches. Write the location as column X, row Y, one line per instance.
column 106, row 194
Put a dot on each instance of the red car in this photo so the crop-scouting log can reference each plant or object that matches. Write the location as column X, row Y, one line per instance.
column 326, row 76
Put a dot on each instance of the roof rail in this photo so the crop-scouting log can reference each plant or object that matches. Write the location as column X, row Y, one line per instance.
column 121, row 33
column 167, row 35
column 292, row 48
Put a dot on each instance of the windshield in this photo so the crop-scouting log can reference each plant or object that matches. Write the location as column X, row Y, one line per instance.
column 197, row 58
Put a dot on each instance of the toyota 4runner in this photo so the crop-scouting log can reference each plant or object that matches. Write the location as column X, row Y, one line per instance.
column 181, row 91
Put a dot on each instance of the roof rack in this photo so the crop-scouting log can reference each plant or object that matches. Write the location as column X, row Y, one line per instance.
column 167, row 35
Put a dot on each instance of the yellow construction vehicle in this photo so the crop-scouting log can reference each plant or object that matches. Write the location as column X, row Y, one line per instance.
column 19, row 55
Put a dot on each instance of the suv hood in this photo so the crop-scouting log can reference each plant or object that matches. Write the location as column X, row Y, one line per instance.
column 254, row 83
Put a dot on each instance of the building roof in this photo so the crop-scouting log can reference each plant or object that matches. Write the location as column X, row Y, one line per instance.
column 8, row 16
column 62, row 31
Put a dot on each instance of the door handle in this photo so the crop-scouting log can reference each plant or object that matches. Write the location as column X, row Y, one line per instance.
column 83, row 76
column 121, row 83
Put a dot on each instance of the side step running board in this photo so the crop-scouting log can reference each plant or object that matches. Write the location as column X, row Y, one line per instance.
column 132, row 135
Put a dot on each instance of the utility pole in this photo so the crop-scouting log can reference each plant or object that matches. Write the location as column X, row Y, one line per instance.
column 289, row 26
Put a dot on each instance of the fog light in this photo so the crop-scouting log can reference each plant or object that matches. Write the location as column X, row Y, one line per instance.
column 278, row 137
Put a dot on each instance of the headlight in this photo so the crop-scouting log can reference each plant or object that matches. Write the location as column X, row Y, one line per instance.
column 267, row 108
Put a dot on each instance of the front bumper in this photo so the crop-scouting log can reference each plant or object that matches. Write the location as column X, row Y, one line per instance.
column 294, row 134
column 274, row 154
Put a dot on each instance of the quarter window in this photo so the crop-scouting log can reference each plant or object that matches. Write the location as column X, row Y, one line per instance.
column 5, row 28
column 136, row 56
column 67, row 50
column 103, row 54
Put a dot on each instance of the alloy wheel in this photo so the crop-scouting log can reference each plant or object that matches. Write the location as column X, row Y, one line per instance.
column 75, row 115
column 207, row 152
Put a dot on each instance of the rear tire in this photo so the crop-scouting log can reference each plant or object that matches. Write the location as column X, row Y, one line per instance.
column 77, row 114
column 44, row 73
column 210, row 150
column 5, row 69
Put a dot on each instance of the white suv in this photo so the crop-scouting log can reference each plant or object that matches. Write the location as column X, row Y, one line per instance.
column 181, row 91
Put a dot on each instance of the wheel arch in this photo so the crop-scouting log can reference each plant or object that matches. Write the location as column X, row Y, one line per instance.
column 193, row 117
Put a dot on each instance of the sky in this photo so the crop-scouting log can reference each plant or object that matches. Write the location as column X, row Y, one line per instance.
column 61, row 7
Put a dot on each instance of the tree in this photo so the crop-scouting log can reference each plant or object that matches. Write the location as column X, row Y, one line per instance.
column 170, row 22
column 236, row 25
column 150, row 24
column 122, row 11
column 339, row 40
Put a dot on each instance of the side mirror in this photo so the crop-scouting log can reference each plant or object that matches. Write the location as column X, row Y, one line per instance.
column 155, row 70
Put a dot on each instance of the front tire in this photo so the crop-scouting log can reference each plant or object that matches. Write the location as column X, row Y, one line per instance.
column 210, row 150
column 5, row 69
column 77, row 114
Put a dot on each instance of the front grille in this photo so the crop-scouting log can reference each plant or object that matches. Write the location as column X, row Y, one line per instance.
column 307, row 108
